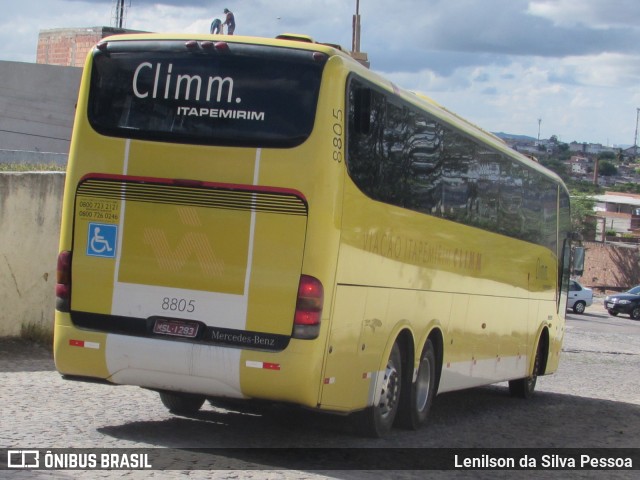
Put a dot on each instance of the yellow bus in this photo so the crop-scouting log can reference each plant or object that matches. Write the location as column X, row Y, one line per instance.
column 250, row 218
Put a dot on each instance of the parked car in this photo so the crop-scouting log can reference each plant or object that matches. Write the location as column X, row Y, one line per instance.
column 579, row 297
column 627, row 302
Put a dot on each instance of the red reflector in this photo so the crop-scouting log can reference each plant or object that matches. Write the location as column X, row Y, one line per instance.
column 319, row 57
column 221, row 46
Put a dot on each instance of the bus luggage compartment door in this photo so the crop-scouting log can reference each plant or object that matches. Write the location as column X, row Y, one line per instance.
column 212, row 262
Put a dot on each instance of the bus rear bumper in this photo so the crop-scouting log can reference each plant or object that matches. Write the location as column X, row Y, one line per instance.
column 182, row 366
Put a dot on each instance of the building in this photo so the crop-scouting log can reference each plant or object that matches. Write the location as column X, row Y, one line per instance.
column 631, row 153
column 580, row 166
column 617, row 213
column 69, row 46
column 591, row 148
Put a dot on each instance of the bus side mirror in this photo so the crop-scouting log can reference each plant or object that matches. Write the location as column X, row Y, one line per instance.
column 362, row 110
column 578, row 261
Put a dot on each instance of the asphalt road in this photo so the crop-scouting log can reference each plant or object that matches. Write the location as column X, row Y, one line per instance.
column 593, row 401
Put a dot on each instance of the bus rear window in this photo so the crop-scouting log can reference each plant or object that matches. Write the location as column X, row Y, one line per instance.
column 245, row 95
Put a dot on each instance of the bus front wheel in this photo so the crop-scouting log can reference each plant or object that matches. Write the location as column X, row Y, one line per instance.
column 524, row 387
column 181, row 403
column 377, row 420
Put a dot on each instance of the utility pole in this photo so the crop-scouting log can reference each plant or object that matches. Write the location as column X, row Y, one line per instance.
column 635, row 137
column 121, row 16
column 355, row 36
column 355, row 39
column 119, row 13
column 539, row 122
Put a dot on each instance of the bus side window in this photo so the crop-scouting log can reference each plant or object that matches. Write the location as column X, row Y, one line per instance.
column 362, row 110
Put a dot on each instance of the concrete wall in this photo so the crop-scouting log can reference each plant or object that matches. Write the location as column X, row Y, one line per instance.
column 37, row 106
column 611, row 266
column 30, row 205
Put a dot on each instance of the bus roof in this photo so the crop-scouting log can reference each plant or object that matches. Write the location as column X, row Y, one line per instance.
column 305, row 42
column 292, row 40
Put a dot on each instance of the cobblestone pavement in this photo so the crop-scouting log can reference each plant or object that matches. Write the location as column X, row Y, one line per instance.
column 592, row 401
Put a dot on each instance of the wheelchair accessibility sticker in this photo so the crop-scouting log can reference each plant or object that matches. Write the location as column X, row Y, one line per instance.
column 102, row 240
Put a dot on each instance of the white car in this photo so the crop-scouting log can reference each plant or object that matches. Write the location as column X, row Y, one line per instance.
column 579, row 297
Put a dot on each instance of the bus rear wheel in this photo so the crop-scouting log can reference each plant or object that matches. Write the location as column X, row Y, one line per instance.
column 377, row 420
column 419, row 397
column 181, row 403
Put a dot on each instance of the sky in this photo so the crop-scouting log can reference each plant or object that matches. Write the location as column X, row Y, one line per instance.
column 569, row 68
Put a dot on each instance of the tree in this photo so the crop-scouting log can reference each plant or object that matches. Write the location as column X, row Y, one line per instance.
column 582, row 220
column 607, row 169
column 606, row 156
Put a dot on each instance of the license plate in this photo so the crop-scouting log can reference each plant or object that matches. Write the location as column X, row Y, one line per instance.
column 609, row 305
column 176, row 328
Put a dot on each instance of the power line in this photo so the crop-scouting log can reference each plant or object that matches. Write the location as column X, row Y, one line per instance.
column 35, row 135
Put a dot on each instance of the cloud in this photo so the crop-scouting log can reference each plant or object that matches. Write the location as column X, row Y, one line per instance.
column 597, row 14
column 500, row 63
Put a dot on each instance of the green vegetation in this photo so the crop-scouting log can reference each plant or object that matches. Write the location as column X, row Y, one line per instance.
column 582, row 220
column 31, row 167
column 36, row 333
column 626, row 188
column 607, row 168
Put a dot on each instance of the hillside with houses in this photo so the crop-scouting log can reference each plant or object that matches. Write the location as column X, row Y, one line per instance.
column 609, row 177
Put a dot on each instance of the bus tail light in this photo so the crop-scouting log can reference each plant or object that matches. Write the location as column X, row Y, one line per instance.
column 306, row 324
column 63, row 282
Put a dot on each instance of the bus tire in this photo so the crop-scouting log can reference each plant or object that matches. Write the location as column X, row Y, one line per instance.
column 419, row 396
column 525, row 387
column 377, row 420
column 181, row 403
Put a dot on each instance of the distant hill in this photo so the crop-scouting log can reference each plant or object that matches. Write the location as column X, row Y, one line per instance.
column 511, row 136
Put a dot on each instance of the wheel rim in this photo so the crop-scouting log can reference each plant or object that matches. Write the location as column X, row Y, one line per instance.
column 390, row 392
column 580, row 307
column 423, row 384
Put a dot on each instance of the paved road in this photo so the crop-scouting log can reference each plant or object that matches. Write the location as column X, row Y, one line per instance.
column 592, row 401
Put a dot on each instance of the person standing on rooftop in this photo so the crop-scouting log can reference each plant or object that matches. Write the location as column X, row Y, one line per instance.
column 216, row 26
column 230, row 21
